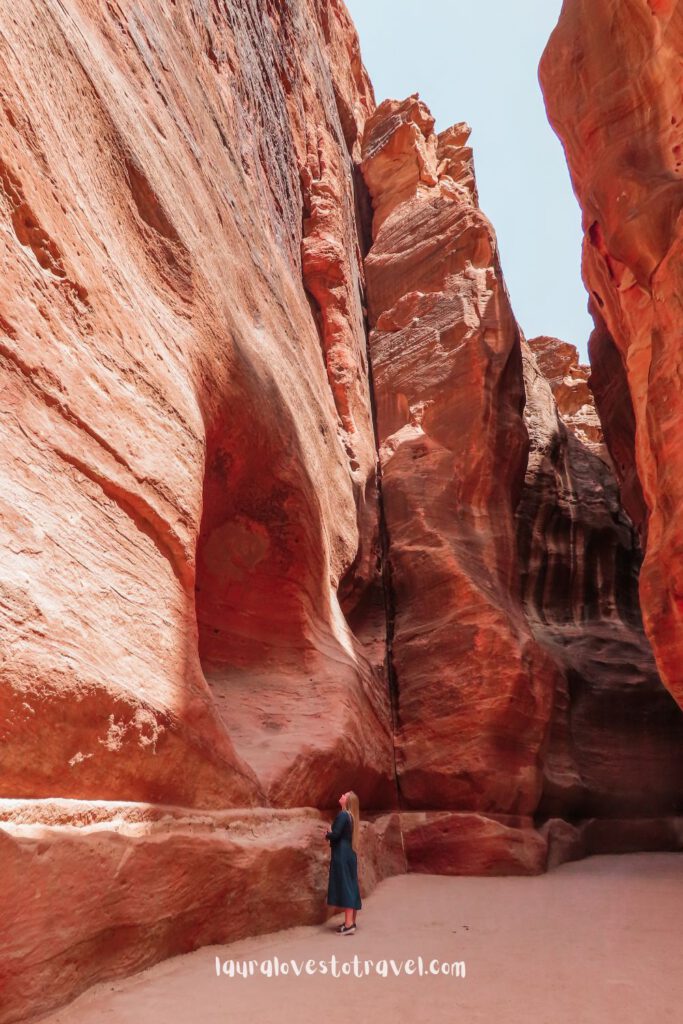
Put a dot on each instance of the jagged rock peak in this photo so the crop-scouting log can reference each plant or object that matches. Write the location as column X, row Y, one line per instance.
column 570, row 383
column 402, row 155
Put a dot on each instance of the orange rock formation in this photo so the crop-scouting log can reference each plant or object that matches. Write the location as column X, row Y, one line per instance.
column 275, row 522
column 172, row 409
column 616, row 744
column 611, row 79
column 474, row 691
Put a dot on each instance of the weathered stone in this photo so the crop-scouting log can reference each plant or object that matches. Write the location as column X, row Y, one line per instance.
column 611, row 79
column 616, row 745
column 568, row 379
column 190, row 451
column 572, row 841
column 474, row 691
column 218, row 615
column 472, row 844
column 130, row 884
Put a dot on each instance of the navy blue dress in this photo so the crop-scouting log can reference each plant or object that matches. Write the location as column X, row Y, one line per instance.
column 342, row 888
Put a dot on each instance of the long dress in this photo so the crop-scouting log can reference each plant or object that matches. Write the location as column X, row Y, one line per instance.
column 342, row 888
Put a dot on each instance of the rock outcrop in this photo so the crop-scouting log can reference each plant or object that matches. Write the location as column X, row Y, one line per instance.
column 611, row 79
column 190, row 449
column 616, row 745
column 173, row 879
column 474, row 690
column 188, row 504
column 559, row 364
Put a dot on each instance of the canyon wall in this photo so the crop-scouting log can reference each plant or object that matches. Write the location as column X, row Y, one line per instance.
column 288, row 505
column 188, row 503
column 611, row 79
column 616, row 743
column 188, row 417
column 530, row 721
column 474, row 691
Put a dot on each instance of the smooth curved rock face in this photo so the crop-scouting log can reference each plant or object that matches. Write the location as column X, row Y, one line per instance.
column 616, row 746
column 611, row 79
column 191, row 471
column 474, row 690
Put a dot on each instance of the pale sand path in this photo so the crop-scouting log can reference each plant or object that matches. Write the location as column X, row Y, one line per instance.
column 598, row 940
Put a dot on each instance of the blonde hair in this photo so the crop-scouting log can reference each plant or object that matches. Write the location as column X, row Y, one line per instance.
column 353, row 807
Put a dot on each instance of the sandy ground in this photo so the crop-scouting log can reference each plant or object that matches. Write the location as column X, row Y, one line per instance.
column 598, row 940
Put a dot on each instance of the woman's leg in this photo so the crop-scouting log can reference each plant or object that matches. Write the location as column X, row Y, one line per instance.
column 349, row 916
column 354, row 916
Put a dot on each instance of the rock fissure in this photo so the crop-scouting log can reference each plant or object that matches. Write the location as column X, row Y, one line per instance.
column 387, row 586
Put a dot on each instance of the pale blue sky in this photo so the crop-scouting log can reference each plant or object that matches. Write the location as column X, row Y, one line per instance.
column 477, row 61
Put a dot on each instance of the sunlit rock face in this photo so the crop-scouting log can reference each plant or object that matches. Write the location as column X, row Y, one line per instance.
column 474, row 690
column 191, row 471
column 616, row 746
column 559, row 363
column 190, row 594
column 611, row 79
column 218, row 614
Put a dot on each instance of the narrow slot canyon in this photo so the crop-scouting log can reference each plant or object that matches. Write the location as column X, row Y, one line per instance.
column 290, row 504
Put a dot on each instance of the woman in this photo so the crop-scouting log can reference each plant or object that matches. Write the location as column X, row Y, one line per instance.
column 342, row 888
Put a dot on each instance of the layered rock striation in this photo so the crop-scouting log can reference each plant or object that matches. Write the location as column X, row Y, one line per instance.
column 275, row 520
column 122, row 885
column 558, row 362
column 611, row 79
column 173, row 403
column 188, row 506
column 616, row 744
column 474, row 690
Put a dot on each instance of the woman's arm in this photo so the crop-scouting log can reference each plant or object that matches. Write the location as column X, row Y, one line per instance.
column 334, row 835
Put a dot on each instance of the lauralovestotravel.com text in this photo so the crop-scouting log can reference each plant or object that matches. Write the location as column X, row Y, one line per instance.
column 273, row 967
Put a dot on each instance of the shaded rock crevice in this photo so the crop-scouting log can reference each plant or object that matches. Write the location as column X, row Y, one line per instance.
column 388, row 597
column 616, row 742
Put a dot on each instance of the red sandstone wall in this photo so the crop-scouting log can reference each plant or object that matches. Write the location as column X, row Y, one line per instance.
column 188, row 503
column 611, row 79
column 474, row 690
column 218, row 614
column 191, row 456
column 616, row 743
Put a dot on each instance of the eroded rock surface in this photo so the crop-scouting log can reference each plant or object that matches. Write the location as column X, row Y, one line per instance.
column 559, row 363
column 218, row 615
column 474, row 689
column 611, row 79
column 616, row 746
column 175, row 879
column 191, row 451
